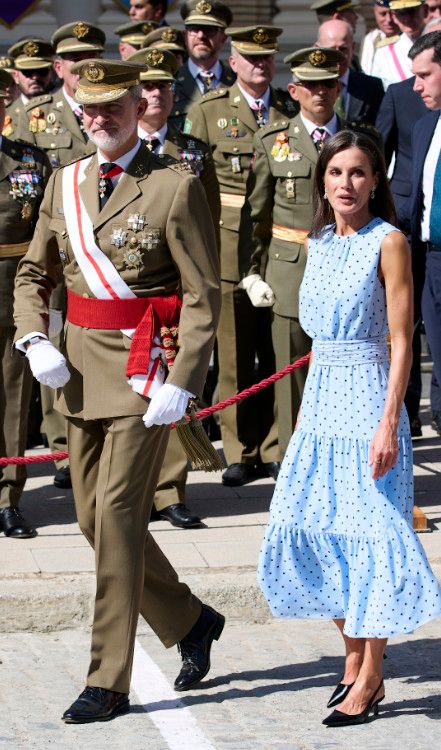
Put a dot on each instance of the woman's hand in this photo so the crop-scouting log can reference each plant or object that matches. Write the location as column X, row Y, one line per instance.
column 383, row 450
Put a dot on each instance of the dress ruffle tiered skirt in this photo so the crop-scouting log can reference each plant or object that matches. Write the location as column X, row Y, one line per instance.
column 339, row 544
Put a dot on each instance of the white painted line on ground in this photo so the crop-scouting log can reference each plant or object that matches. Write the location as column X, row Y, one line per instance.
column 174, row 720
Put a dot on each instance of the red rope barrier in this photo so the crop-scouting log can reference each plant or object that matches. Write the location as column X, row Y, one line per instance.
column 202, row 414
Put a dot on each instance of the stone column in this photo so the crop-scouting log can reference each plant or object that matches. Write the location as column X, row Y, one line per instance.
column 84, row 10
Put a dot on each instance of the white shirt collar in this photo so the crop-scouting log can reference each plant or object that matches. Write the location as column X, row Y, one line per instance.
column 25, row 99
column 71, row 102
column 330, row 127
column 251, row 100
column 124, row 160
column 194, row 69
column 159, row 134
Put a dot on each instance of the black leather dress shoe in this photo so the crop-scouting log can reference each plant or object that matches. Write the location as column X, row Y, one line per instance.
column 238, row 474
column 436, row 421
column 96, row 704
column 415, row 427
column 272, row 469
column 62, row 478
column 13, row 524
column 195, row 648
column 179, row 515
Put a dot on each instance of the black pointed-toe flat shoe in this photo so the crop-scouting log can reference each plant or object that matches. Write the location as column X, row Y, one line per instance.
column 339, row 694
column 340, row 719
column 195, row 648
column 96, row 704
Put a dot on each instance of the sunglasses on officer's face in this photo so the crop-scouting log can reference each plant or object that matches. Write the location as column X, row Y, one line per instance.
column 327, row 84
column 40, row 72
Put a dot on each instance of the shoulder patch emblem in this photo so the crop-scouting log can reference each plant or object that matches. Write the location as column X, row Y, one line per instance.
column 187, row 126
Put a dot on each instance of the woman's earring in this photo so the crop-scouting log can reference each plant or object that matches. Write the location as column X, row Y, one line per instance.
column 325, row 195
column 373, row 193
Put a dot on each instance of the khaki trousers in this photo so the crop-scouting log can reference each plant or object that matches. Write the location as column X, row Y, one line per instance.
column 54, row 423
column 290, row 342
column 173, row 475
column 15, row 394
column 115, row 465
column 249, row 430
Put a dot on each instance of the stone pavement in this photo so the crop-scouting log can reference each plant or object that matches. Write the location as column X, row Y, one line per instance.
column 52, row 574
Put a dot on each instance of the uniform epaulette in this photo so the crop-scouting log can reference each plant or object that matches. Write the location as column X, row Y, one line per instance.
column 215, row 94
column 386, row 41
column 182, row 167
column 38, row 101
column 273, row 127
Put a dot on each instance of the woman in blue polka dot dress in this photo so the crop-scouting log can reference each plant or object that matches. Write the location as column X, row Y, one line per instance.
column 340, row 544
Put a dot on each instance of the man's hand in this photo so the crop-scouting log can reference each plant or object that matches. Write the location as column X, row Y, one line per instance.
column 168, row 405
column 259, row 292
column 47, row 364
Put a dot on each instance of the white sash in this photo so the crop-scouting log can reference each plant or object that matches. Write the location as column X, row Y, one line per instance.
column 101, row 275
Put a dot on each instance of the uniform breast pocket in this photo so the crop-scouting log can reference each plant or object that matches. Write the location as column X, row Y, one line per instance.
column 294, row 183
column 58, row 227
column 234, row 158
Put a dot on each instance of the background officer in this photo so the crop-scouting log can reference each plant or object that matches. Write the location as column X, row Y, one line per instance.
column 131, row 36
column 149, row 228
column 24, row 171
column 148, row 10
column 33, row 74
column 343, row 10
column 391, row 62
column 385, row 28
column 227, row 120
column 171, row 146
column 205, row 24
column 170, row 39
column 281, row 212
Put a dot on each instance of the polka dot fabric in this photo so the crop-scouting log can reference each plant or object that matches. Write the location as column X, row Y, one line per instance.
column 338, row 543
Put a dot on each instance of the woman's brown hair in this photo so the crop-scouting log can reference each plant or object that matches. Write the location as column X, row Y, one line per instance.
column 381, row 205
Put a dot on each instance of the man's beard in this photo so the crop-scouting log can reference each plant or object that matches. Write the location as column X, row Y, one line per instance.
column 110, row 141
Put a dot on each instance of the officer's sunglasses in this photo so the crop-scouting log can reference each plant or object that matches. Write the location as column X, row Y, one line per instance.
column 207, row 30
column 329, row 83
column 40, row 72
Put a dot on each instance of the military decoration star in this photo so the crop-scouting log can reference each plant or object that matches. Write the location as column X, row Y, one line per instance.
column 132, row 258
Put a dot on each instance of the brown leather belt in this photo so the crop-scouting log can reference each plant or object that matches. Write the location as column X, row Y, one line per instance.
column 230, row 200
column 12, row 251
column 290, row 235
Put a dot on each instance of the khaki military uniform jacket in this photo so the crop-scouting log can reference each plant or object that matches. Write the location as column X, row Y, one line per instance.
column 15, row 125
column 281, row 204
column 21, row 167
column 183, row 258
column 53, row 127
column 224, row 120
column 187, row 92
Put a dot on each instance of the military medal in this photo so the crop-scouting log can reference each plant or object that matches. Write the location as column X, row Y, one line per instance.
column 290, row 188
column 280, row 149
column 133, row 258
column 37, row 123
column 294, row 156
column 150, row 241
column 222, row 123
column 136, row 222
column 235, row 164
column 118, row 237
column 51, row 118
column 26, row 211
column 8, row 127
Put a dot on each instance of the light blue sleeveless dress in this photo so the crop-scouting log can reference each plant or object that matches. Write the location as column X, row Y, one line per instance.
column 339, row 544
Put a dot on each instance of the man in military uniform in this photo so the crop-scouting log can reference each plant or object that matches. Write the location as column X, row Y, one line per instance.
column 24, row 171
column 171, row 146
column 170, row 39
column 360, row 95
column 391, row 62
column 130, row 234
column 386, row 28
column 32, row 59
column 205, row 24
column 281, row 212
column 343, row 10
column 148, row 10
column 132, row 35
column 227, row 119
column 7, row 63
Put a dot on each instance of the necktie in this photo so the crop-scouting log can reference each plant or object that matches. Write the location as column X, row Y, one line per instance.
column 259, row 112
column 435, row 210
column 107, row 171
column 152, row 144
column 319, row 136
column 207, row 80
column 339, row 106
column 78, row 112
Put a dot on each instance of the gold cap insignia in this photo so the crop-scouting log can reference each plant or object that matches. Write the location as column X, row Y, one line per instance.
column 154, row 58
column 169, row 35
column 5, row 62
column 260, row 36
column 203, row 7
column 317, row 58
column 80, row 29
column 146, row 28
column 30, row 49
column 94, row 73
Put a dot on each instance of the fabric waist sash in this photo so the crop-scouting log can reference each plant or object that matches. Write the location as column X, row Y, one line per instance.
column 150, row 316
column 230, row 200
column 352, row 352
column 289, row 235
column 13, row 251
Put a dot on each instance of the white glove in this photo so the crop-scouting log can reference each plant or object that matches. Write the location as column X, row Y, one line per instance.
column 55, row 322
column 47, row 364
column 167, row 405
column 259, row 292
